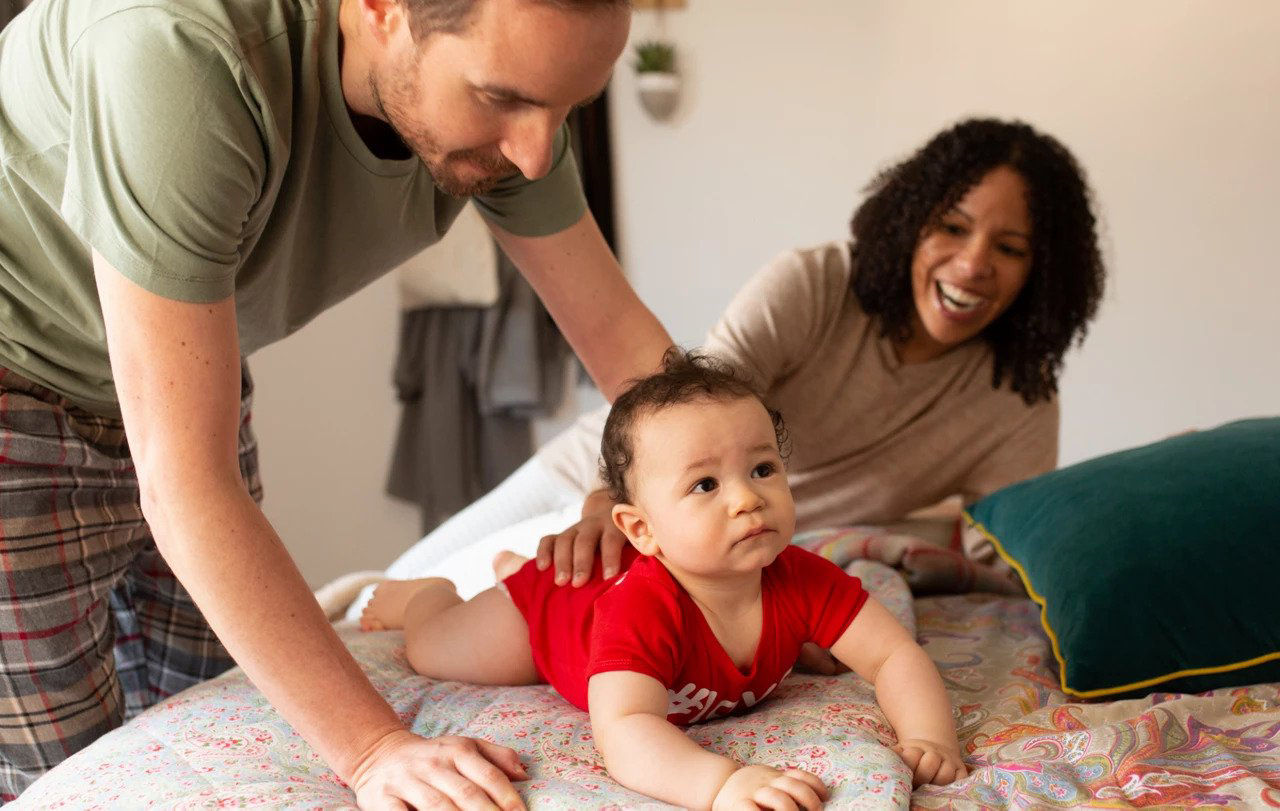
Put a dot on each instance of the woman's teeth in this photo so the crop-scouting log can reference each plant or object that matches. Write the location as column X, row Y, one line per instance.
column 955, row 299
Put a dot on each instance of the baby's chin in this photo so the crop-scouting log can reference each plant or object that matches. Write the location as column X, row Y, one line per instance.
column 761, row 549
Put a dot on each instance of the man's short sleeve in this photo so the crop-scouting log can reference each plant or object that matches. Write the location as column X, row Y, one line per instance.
column 637, row 627
column 538, row 208
column 166, row 160
column 824, row 596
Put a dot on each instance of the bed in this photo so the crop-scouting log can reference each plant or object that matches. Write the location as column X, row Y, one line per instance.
column 220, row 744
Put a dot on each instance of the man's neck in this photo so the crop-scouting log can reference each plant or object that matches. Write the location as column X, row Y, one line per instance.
column 357, row 91
column 353, row 62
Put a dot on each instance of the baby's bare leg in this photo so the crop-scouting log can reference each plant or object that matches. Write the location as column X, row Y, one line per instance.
column 482, row 641
column 507, row 563
column 386, row 609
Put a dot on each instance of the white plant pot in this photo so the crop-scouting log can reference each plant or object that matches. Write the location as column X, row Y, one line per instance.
column 659, row 93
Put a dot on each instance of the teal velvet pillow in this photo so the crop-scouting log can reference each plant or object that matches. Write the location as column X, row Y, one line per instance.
column 1156, row 568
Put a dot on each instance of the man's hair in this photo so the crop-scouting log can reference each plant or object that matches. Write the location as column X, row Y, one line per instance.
column 685, row 377
column 428, row 17
column 1066, row 278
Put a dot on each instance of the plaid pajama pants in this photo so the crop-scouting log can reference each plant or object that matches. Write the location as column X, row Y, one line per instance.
column 94, row 627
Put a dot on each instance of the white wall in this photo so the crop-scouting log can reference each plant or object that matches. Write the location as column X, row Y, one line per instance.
column 325, row 417
column 790, row 108
column 1172, row 107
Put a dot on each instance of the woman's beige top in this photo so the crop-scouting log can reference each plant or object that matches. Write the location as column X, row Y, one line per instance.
column 872, row 439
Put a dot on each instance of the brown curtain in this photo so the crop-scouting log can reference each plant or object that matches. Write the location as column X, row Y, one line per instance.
column 590, row 128
column 8, row 10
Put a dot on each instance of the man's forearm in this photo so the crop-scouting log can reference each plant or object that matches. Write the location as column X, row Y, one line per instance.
column 578, row 279
column 229, row 558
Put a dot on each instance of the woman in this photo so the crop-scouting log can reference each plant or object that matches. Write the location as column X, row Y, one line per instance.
column 917, row 362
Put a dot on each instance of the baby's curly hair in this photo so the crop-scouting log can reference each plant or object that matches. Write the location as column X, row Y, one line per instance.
column 1067, row 276
column 685, row 377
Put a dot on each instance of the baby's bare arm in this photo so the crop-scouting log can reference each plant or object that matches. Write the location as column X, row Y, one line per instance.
column 642, row 750
column 645, row 752
column 909, row 689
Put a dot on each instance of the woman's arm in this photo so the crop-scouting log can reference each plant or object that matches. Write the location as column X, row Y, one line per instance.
column 643, row 751
column 909, row 689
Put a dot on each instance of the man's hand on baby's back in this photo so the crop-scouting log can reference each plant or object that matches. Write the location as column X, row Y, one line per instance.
column 931, row 762
column 756, row 787
column 574, row 550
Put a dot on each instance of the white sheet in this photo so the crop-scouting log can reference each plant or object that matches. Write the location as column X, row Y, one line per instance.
column 470, row 568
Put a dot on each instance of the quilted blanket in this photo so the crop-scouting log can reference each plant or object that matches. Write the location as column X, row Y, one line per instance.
column 220, row 744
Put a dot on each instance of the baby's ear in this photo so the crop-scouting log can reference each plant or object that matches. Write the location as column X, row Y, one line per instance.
column 631, row 520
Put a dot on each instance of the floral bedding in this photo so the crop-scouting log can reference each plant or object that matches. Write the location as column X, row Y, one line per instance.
column 221, row 745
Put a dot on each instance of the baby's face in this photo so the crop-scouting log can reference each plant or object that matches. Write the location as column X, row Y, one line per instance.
column 709, row 478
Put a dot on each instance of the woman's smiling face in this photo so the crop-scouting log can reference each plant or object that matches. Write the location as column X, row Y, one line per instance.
column 969, row 265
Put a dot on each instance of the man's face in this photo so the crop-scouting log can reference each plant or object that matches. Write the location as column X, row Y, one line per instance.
column 485, row 103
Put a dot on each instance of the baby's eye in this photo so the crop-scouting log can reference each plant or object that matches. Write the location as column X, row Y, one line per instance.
column 704, row 485
column 952, row 229
column 763, row 470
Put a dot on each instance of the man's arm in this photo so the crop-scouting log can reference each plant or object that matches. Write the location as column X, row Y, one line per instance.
column 580, row 282
column 176, row 367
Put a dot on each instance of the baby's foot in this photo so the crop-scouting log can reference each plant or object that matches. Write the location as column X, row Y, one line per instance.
column 385, row 610
column 507, row 563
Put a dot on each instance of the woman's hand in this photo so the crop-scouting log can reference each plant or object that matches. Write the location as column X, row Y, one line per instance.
column 755, row 787
column 573, row 551
column 931, row 762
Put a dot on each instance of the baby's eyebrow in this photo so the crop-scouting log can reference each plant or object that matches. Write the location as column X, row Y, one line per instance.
column 707, row 460
column 697, row 463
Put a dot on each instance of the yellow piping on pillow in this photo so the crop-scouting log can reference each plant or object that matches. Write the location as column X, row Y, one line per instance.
column 1057, row 650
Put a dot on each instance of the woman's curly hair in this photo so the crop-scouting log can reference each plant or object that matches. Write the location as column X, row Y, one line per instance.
column 1066, row 278
column 685, row 377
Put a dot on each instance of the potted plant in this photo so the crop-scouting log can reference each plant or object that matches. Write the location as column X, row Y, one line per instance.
column 656, row 77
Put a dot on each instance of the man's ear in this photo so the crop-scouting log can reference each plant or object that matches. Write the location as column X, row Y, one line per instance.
column 383, row 17
column 631, row 520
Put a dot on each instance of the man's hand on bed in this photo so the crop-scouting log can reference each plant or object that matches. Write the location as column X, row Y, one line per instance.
column 931, row 762
column 574, row 550
column 403, row 769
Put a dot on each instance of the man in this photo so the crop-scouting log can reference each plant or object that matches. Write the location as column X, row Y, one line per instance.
column 183, row 182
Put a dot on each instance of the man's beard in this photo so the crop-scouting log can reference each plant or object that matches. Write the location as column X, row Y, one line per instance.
column 493, row 166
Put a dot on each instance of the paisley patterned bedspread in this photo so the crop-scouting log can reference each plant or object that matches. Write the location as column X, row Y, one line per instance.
column 220, row 744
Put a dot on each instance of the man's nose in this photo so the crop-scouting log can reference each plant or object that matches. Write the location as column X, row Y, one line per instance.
column 529, row 140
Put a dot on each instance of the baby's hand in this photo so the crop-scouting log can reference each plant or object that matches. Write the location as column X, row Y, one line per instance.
column 754, row 787
column 931, row 762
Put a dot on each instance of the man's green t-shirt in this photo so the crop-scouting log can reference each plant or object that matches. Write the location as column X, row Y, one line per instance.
column 204, row 148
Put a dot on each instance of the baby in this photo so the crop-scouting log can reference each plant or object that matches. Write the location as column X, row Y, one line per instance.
column 706, row 617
